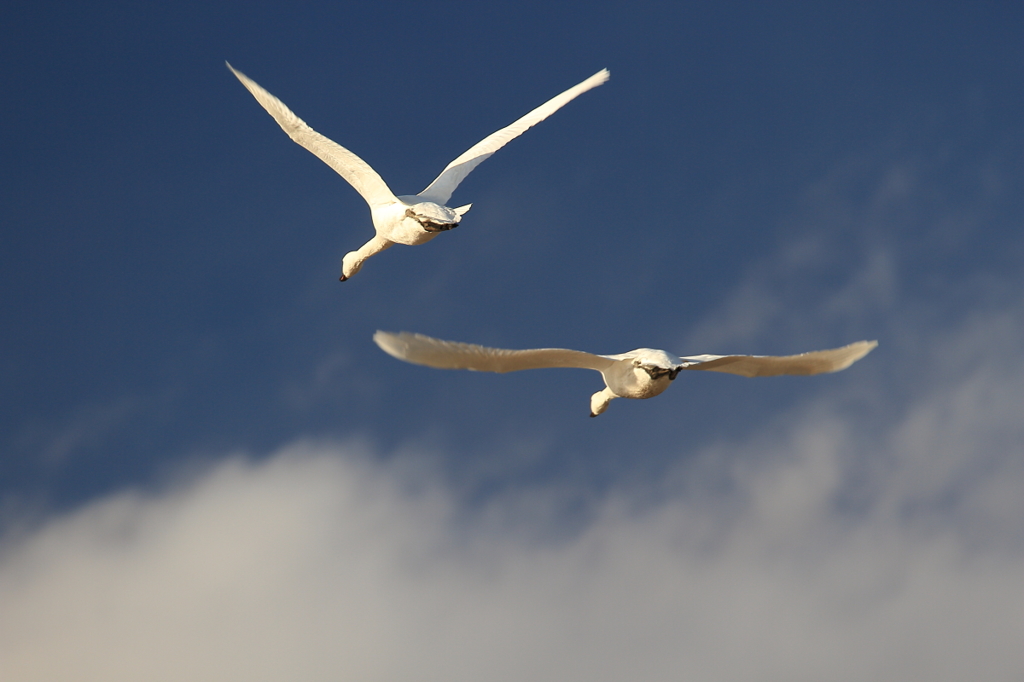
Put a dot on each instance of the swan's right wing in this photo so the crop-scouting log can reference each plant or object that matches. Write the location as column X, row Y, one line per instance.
column 440, row 190
column 815, row 362
column 424, row 350
column 349, row 166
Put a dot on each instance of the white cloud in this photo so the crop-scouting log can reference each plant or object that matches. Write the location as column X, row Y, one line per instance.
column 822, row 548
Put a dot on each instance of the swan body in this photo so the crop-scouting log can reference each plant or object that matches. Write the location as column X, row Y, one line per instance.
column 640, row 373
column 408, row 219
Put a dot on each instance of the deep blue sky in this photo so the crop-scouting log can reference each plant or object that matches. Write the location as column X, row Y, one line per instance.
column 761, row 178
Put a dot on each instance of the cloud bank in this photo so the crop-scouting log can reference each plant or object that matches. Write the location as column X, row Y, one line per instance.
column 824, row 547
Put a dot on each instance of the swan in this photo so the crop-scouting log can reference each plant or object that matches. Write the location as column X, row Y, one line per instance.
column 407, row 219
column 640, row 373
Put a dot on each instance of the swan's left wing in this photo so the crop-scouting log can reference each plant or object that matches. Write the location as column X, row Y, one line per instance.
column 357, row 172
column 440, row 190
column 815, row 362
column 424, row 350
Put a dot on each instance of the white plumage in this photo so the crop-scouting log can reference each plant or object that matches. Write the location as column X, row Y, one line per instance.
column 408, row 219
column 640, row 373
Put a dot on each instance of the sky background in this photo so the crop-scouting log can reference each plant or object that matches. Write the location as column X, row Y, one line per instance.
column 209, row 471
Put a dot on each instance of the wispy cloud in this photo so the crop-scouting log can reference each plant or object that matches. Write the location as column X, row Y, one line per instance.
column 53, row 443
column 890, row 239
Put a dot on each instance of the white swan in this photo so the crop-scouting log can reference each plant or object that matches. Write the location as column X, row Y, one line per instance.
column 640, row 373
column 410, row 219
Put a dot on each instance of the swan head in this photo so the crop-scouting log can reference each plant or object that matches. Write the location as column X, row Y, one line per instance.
column 350, row 265
column 599, row 401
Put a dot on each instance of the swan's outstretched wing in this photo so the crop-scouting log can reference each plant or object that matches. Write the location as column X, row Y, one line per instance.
column 358, row 173
column 815, row 362
column 424, row 350
column 440, row 190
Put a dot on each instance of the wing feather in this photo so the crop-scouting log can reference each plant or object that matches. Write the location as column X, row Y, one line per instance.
column 424, row 350
column 357, row 172
column 814, row 362
column 440, row 190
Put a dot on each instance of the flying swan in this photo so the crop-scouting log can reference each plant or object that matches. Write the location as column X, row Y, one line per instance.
column 407, row 219
column 640, row 373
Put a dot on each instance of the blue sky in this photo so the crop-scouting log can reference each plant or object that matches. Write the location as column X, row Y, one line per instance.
column 203, row 450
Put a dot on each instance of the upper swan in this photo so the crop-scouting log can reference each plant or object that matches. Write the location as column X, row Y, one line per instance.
column 407, row 219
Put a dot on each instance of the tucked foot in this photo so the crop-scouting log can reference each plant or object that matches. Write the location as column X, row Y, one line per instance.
column 437, row 227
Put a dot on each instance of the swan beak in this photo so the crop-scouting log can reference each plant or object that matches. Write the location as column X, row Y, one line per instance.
column 592, row 414
column 342, row 278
